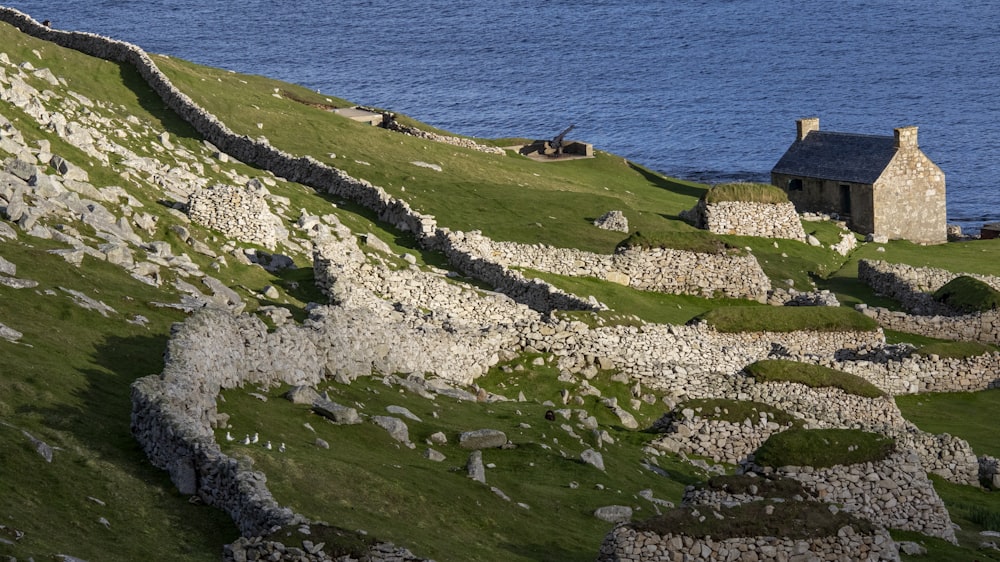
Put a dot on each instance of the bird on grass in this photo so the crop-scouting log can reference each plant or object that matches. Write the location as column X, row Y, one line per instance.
column 281, row 448
column 267, row 445
column 246, row 440
column 229, row 436
column 256, row 437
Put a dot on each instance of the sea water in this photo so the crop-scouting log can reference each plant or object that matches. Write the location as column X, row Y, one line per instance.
column 700, row 89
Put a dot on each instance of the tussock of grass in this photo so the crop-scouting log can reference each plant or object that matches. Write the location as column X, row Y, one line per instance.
column 795, row 520
column 735, row 411
column 968, row 294
column 814, row 376
column 788, row 319
column 821, row 448
column 745, row 192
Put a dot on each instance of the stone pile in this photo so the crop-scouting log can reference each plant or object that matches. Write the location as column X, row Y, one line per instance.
column 612, row 220
column 238, row 213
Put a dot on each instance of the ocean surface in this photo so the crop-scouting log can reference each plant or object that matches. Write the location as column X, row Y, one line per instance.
column 700, row 89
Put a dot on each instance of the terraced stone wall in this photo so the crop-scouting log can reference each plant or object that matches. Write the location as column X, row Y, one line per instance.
column 913, row 287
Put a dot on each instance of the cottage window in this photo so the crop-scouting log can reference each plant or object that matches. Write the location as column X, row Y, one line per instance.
column 795, row 185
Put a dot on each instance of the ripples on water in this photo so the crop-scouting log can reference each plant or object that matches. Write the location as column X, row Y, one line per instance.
column 703, row 89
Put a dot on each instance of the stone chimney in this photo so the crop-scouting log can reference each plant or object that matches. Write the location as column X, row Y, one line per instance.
column 906, row 137
column 805, row 126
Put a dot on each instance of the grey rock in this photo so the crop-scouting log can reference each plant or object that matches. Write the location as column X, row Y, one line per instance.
column 376, row 243
column 21, row 169
column 335, row 412
column 614, row 513
column 15, row 283
column 396, row 427
column 433, row 455
column 482, row 439
column 302, row 394
column 475, row 467
column 41, row 447
column 401, row 411
column 438, row 438
column 7, row 268
column 593, row 458
column 321, row 443
column 911, row 548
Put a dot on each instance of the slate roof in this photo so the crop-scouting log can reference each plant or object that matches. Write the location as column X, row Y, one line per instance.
column 845, row 157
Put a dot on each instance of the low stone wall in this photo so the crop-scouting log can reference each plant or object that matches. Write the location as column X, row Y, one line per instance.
column 981, row 326
column 625, row 544
column 765, row 220
column 894, row 492
column 389, row 122
column 173, row 415
column 721, row 441
column 913, row 287
column 661, row 270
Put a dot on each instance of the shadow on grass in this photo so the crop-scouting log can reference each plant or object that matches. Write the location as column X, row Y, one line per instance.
column 154, row 104
column 664, row 183
column 549, row 551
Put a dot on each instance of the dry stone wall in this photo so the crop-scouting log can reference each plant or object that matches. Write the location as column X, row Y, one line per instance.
column 912, row 287
column 625, row 544
column 894, row 493
column 662, row 270
column 740, row 218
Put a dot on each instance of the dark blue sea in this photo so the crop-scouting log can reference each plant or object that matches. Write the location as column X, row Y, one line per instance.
column 700, row 89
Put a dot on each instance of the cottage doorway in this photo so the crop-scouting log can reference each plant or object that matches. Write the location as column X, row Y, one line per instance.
column 845, row 199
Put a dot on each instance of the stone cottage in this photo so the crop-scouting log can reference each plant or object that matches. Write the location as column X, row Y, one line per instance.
column 881, row 185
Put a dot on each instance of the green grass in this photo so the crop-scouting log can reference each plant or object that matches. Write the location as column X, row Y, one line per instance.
column 506, row 197
column 956, row 349
column 372, row 483
column 968, row 294
column 745, row 192
column 735, row 411
column 820, row 448
column 794, row 520
column 787, row 319
column 969, row 415
column 815, row 376
column 757, row 485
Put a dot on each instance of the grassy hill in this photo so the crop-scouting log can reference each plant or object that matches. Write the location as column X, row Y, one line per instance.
column 66, row 380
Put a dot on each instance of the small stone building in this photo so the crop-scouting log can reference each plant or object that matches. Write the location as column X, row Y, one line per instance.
column 880, row 185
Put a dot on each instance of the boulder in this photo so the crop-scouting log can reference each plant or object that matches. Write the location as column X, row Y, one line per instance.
column 614, row 513
column 482, row 439
column 302, row 394
column 335, row 412
column 396, row 427
column 475, row 467
column 593, row 458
